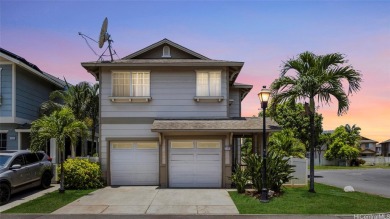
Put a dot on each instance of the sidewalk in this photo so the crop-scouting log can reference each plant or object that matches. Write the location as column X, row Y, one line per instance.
column 97, row 216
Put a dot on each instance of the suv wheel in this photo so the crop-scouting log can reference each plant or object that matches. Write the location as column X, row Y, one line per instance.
column 46, row 180
column 5, row 193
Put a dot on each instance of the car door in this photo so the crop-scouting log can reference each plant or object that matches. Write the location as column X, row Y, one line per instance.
column 33, row 166
column 20, row 176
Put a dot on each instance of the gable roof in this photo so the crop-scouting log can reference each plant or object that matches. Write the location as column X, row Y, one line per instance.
column 367, row 140
column 31, row 67
column 162, row 42
column 138, row 59
column 384, row 142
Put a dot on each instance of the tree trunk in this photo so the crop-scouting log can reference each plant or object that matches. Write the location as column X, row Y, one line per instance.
column 62, row 188
column 73, row 150
column 319, row 157
column 93, row 139
column 312, row 143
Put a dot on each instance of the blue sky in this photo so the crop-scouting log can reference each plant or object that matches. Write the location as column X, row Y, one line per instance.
column 263, row 34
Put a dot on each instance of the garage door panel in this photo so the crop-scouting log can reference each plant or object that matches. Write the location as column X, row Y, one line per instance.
column 133, row 166
column 195, row 167
column 208, row 157
column 182, row 157
column 181, row 169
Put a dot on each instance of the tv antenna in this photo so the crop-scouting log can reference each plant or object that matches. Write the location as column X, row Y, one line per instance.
column 103, row 37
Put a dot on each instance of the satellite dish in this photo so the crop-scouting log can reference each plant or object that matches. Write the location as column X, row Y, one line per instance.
column 103, row 37
column 103, row 33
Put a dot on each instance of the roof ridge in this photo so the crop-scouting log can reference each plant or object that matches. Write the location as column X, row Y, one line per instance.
column 161, row 42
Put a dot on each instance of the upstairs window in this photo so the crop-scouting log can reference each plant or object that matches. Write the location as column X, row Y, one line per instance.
column 131, row 84
column 166, row 52
column 140, row 83
column 208, row 83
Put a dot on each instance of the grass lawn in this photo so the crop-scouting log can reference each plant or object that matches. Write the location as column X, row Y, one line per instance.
column 326, row 200
column 49, row 202
column 349, row 168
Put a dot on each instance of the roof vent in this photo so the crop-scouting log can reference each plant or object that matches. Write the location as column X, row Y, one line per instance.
column 166, row 52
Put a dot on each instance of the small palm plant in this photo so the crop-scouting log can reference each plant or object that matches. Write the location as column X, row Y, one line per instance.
column 240, row 178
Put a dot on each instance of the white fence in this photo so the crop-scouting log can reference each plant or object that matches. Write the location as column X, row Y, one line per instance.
column 376, row 160
column 301, row 172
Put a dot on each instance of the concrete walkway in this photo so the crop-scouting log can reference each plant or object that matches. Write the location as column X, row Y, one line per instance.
column 25, row 196
column 151, row 200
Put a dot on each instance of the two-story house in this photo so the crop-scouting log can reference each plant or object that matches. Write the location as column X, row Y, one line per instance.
column 385, row 148
column 23, row 88
column 368, row 147
column 171, row 117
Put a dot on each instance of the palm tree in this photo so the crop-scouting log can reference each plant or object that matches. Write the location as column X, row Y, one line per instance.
column 82, row 99
column 318, row 78
column 93, row 110
column 353, row 135
column 60, row 125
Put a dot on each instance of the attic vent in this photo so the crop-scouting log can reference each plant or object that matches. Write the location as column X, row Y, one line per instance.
column 166, row 52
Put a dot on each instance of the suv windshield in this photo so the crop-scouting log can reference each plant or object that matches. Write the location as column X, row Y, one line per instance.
column 4, row 159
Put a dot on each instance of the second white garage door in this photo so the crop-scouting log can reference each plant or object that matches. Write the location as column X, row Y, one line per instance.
column 134, row 163
column 195, row 163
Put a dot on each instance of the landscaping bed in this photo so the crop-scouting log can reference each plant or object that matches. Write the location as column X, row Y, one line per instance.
column 326, row 200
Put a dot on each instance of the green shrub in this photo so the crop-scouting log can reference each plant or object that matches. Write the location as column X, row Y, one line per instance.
column 240, row 178
column 279, row 171
column 357, row 162
column 254, row 167
column 81, row 174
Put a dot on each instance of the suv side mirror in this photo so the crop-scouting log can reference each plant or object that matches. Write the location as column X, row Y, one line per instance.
column 15, row 167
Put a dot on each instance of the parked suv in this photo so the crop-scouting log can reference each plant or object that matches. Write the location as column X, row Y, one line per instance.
column 20, row 170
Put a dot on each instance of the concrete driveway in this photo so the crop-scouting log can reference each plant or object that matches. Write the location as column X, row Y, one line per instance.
column 151, row 200
column 373, row 181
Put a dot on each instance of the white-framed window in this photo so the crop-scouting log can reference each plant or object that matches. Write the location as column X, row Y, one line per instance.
column 209, row 144
column 131, row 83
column 208, row 83
column 166, row 52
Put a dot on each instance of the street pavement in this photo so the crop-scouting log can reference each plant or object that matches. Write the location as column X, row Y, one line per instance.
column 373, row 181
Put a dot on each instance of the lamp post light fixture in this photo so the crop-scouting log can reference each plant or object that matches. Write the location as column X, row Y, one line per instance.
column 264, row 97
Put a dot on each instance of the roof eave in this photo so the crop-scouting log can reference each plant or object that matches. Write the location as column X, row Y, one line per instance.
column 205, row 64
column 37, row 73
column 215, row 130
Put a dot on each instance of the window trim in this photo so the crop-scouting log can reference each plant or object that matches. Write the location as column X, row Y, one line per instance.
column 208, row 98
column 130, row 98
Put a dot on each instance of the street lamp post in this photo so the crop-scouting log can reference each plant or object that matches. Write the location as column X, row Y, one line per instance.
column 264, row 96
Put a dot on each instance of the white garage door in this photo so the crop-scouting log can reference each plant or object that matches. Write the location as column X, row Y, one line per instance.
column 134, row 163
column 195, row 163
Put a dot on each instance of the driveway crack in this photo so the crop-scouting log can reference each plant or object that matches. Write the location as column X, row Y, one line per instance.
column 152, row 201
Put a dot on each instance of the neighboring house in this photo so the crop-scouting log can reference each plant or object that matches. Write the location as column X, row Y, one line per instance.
column 385, row 148
column 171, row 117
column 368, row 147
column 23, row 88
